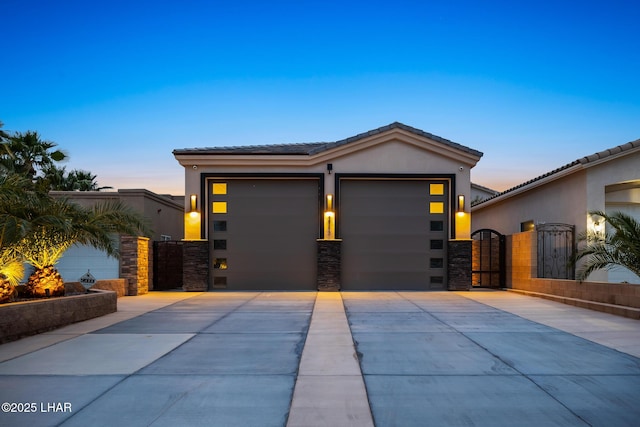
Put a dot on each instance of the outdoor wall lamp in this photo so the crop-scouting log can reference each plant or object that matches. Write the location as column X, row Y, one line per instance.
column 329, row 219
column 193, row 203
column 460, row 203
column 598, row 227
column 329, row 167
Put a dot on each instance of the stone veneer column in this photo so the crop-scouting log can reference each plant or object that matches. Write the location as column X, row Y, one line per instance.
column 134, row 263
column 459, row 255
column 195, row 265
column 329, row 264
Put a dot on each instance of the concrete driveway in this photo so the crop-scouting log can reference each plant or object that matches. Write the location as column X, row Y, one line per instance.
column 478, row 358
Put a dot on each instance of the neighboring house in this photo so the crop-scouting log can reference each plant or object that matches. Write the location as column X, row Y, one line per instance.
column 388, row 205
column 164, row 212
column 480, row 193
column 606, row 181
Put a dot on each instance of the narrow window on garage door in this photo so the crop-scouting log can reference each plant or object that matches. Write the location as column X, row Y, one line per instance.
column 219, row 212
column 437, row 235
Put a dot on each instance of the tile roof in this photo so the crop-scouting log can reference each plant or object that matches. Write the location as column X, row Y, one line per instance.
column 318, row 147
column 581, row 161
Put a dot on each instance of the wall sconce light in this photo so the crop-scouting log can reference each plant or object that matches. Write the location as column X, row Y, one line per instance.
column 598, row 227
column 598, row 223
column 329, row 219
column 193, row 203
column 460, row 203
column 329, row 167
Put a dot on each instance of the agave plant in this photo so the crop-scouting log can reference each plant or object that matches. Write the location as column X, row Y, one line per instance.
column 64, row 224
column 621, row 247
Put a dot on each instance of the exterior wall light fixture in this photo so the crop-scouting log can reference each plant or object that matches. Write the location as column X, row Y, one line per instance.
column 460, row 203
column 329, row 220
column 193, row 203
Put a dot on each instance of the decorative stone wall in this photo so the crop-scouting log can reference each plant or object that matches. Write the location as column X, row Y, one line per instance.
column 195, row 266
column 134, row 263
column 21, row 319
column 459, row 255
column 329, row 264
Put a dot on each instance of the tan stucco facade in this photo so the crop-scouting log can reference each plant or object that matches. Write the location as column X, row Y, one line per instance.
column 396, row 152
column 164, row 212
column 608, row 181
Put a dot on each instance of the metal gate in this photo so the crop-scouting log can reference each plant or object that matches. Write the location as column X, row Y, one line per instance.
column 167, row 265
column 488, row 259
column 556, row 245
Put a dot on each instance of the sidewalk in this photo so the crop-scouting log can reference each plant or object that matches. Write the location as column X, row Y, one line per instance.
column 300, row 359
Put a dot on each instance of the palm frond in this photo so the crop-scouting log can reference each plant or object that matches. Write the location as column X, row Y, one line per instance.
column 620, row 247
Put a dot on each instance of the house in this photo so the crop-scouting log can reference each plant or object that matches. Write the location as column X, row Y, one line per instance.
column 480, row 193
column 607, row 181
column 384, row 209
column 164, row 213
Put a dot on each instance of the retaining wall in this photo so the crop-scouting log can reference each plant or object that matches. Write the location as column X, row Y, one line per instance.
column 21, row 319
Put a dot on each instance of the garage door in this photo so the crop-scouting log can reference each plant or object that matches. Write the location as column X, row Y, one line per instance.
column 394, row 234
column 263, row 234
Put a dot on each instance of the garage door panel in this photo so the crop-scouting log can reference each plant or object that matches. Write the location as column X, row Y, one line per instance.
column 388, row 281
column 272, row 227
column 385, row 227
column 381, row 226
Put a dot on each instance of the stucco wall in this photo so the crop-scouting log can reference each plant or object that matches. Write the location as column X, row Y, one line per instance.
column 164, row 212
column 560, row 201
column 620, row 169
column 402, row 155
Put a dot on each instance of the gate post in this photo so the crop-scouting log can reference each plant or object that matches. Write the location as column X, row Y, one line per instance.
column 134, row 263
column 459, row 265
column 195, row 265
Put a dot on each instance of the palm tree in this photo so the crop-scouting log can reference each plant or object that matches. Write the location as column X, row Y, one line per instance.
column 57, row 179
column 80, row 180
column 608, row 250
column 16, row 206
column 26, row 153
column 64, row 224
column 5, row 152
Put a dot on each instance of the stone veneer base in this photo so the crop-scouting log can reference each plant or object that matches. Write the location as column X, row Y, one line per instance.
column 329, row 264
column 459, row 257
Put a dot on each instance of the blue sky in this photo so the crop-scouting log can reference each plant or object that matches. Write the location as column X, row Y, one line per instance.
column 120, row 84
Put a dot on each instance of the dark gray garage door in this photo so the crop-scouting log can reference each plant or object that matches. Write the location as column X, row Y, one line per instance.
column 263, row 234
column 394, row 234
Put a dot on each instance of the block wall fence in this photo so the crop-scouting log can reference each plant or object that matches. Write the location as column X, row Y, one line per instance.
column 521, row 270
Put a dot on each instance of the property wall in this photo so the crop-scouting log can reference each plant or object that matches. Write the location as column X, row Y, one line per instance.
column 614, row 298
column 520, row 258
